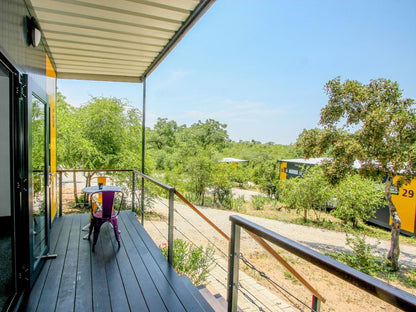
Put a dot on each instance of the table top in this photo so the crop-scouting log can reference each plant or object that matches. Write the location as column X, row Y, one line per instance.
column 93, row 189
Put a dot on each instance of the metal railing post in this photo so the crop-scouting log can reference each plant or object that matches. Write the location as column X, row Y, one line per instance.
column 60, row 194
column 233, row 267
column 316, row 304
column 133, row 191
column 142, row 201
column 170, row 228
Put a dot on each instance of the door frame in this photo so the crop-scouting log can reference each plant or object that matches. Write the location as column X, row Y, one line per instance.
column 18, row 237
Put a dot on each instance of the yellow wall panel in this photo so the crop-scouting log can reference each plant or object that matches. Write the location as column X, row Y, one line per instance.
column 51, row 91
column 283, row 166
column 405, row 202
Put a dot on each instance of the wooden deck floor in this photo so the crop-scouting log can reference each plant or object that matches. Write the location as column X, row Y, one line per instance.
column 135, row 277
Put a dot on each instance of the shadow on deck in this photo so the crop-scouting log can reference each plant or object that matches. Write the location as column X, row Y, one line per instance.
column 135, row 277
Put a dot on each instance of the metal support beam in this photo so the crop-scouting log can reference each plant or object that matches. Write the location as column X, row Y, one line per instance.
column 143, row 145
column 170, row 228
column 316, row 304
column 60, row 194
column 233, row 267
column 133, row 191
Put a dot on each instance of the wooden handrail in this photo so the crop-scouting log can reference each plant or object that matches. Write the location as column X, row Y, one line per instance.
column 202, row 215
column 394, row 296
column 160, row 184
column 154, row 181
column 286, row 265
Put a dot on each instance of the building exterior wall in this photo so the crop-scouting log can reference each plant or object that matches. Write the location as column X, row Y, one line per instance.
column 404, row 200
column 33, row 61
column 28, row 71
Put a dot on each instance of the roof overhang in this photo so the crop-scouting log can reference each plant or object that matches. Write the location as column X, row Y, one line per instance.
column 113, row 40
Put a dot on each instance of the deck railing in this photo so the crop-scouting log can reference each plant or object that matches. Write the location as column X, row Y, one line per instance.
column 377, row 288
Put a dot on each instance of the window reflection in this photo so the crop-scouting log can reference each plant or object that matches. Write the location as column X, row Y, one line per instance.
column 38, row 137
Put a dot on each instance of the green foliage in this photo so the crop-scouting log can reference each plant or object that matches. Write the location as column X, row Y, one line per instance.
column 188, row 158
column 362, row 257
column 358, row 199
column 104, row 133
column 263, row 166
column 372, row 124
column 222, row 184
column 237, row 204
column 310, row 192
column 259, row 201
column 193, row 261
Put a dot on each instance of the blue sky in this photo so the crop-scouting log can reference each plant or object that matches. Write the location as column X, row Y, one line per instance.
column 259, row 66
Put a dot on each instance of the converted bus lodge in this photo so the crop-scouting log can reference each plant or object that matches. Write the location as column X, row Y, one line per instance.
column 404, row 198
column 40, row 42
column 45, row 264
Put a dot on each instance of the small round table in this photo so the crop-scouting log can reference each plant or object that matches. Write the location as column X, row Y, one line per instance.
column 95, row 189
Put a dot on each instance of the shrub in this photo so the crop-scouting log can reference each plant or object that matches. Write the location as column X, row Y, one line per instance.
column 259, row 201
column 363, row 257
column 193, row 261
column 310, row 192
column 237, row 204
column 358, row 199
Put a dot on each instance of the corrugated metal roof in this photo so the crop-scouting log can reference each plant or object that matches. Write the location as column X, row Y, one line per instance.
column 114, row 40
column 317, row 161
column 232, row 160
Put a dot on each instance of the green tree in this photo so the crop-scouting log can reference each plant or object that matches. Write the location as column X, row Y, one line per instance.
column 310, row 192
column 373, row 124
column 104, row 133
column 197, row 170
column 163, row 134
column 358, row 198
column 222, row 184
column 74, row 150
column 209, row 133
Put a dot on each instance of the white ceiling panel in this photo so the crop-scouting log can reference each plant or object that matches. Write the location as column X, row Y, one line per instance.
column 120, row 40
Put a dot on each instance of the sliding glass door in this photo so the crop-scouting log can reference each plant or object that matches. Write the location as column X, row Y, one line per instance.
column 38, row 176
column 7, row 227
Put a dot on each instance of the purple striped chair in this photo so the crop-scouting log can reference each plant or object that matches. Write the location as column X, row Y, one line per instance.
column 104, row 213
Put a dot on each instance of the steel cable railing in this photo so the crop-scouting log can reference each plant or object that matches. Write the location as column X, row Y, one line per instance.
column 150, row 198
column 189, row 239
column 377, row 288
column 246, row 294
column 281, row 289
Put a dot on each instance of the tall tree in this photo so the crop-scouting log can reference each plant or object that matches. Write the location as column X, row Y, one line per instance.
column 309, row 192
column 104, row 133
column 371, row 123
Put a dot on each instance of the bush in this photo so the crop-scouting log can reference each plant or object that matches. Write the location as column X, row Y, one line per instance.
column 363, row 258
column 237, row 204
column 259, row 201
column 358, row 199
column 193, row 261
column 223, row 196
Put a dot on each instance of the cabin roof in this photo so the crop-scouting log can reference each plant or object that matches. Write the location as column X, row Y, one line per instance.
column 111, row 40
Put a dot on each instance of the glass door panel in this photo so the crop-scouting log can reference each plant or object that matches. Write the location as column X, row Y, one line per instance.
column 39, row 177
